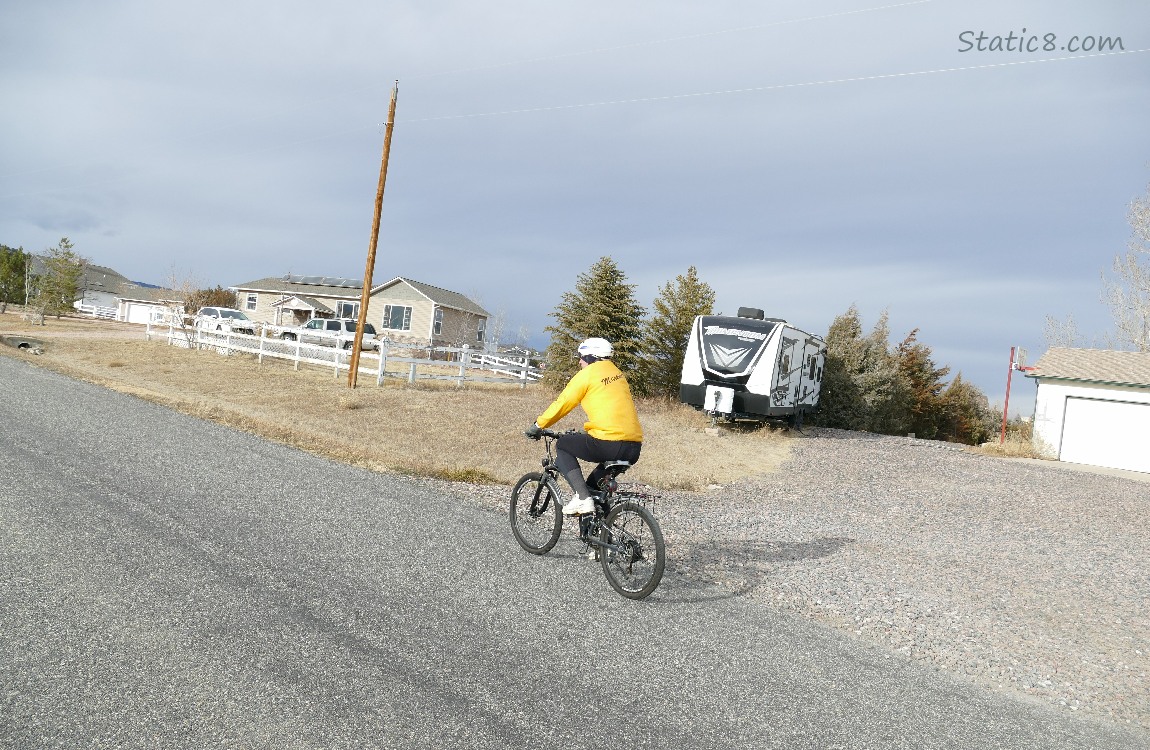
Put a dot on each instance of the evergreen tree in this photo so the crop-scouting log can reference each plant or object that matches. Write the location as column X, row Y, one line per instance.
column 665, row 335
column 602, row 304
column 886, row 393
column 13, row 275
column 967, row 417
column 839, row 395
column 927, row 410
column 59, row 286
column 867, row 386
column 862, row 388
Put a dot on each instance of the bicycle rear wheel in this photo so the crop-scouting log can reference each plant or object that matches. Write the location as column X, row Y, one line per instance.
column 632, row 553
column 536, row 514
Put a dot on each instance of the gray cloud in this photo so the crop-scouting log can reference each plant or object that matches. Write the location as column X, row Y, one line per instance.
column 792, row 162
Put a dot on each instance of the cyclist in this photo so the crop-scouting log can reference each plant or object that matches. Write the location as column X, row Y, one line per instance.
column 612, row 431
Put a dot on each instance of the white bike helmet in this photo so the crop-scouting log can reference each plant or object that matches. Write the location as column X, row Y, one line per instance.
column 598, row 348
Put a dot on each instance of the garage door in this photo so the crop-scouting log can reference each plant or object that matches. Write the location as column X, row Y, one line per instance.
column 1106, row 433
column 139, row 313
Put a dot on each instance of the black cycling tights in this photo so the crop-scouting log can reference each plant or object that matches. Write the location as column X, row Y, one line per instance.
column 578, row 445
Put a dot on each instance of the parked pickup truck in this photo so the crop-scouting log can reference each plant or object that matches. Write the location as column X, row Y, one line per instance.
column 331, row 332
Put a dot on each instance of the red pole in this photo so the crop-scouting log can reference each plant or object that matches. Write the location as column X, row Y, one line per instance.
column 1006, row 406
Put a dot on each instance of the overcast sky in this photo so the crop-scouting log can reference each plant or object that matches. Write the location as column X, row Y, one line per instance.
column 803, row 155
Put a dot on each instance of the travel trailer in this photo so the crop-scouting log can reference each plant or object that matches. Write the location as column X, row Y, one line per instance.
column 752, row 368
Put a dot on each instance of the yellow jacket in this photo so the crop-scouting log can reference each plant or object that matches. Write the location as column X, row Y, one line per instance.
column 603, row 392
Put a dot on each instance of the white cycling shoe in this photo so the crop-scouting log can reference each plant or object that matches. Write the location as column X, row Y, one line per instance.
column 577, row 506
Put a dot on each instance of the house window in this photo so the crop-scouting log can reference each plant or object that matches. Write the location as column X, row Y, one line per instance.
column 437, row 326
column 482, row 332
column 347, row 310
column 250, row 304
column 397, row 318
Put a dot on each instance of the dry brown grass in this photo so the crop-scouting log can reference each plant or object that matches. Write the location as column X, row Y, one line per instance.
column 1015, row 446
column 474, row 433
column 1019, row 443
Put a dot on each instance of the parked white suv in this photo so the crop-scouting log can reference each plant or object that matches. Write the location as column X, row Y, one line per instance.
column 225, row 319
column 332, row 332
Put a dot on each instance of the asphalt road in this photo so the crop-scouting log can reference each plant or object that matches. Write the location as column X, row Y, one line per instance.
column 169, row 583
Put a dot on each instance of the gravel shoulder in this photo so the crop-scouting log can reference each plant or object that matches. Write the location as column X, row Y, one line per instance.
column 1022, row 576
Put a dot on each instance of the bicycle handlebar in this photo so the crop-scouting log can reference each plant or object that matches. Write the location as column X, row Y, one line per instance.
column 554, row 435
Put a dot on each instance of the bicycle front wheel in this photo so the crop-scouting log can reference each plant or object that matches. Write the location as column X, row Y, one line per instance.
column 632, row 552
column 536, row 514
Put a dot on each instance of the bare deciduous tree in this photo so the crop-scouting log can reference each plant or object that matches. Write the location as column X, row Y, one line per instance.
column 1127, row 294
column 1061, row 333
column 185, row 288
column 496, row 328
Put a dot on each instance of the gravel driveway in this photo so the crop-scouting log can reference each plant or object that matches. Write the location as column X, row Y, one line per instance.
column 1022, row 576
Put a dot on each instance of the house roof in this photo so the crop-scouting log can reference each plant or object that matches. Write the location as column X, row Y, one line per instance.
column 105, row 279
column 330, row 286
column 439, row 296
column 324, row 286
column 299, row 302
column 96, row 278
column 1094, row 366
column 92, row 276
column 157, row 295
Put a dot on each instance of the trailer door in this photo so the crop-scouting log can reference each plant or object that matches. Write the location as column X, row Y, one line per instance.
column 810, row 380
column 787, row 367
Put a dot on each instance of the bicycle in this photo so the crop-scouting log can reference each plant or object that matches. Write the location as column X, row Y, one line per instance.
column 622, row 532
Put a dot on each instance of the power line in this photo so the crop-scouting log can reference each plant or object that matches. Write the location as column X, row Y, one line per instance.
column 616, row 102
column 636, row 100
column 668, row 40
column 529, row 61
column 772, row 87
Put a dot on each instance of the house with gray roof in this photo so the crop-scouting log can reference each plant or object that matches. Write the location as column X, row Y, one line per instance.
column 133, row 301
column 404, row 310
column 1093, row 407
column 144, row 304
column 105, row 292
column 98, row 286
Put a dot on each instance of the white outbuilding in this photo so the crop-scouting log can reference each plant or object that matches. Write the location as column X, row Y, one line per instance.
column 1093, row 407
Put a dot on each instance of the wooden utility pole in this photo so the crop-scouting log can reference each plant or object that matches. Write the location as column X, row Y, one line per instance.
column 353, row 371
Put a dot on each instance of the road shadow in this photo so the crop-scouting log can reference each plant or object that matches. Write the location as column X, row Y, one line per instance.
column 758, row 550
column 728, row 569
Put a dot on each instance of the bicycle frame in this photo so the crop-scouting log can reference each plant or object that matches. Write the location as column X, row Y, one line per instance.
column 621, row 530
column 605, row 499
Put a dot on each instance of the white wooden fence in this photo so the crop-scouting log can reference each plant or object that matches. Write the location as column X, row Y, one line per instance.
column 460, row 364
column 96, row 311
